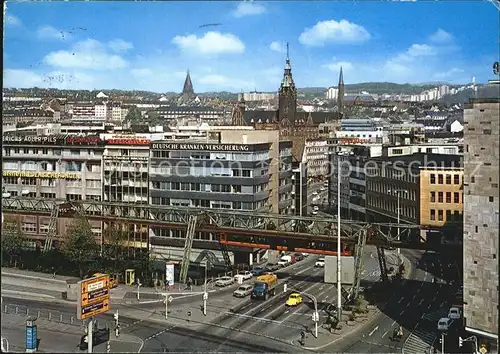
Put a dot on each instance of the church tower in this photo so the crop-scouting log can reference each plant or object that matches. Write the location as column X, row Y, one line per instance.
column 340, row 95
column 287, row 96
column 237, row 118
column 188, row 90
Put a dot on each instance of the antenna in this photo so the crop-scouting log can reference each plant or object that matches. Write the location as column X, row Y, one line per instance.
column 287, row 51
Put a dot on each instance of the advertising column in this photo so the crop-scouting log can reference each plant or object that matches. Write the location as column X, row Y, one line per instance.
column 31, row 335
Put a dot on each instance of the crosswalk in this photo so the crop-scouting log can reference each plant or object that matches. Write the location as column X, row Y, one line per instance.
column 422, row 338
column 419, row 342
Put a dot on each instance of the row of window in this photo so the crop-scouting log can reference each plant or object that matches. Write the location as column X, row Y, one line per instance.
column 46, row 151
column 440, row 197
column 202, row 203
column 392, row 207
column 205, row 187
column 451, row 215
column 440, row 179
column 189, row 155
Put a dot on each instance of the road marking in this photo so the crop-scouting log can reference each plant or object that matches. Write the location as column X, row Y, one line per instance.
column 373, row 331
column 414, row 296
column 408, row 305
column 158, row 333
column 420, row 302
column 430, row 305
column 400, row 300
column 253, row 317
column 383, row 335
column 393, row 323
column 402, row 311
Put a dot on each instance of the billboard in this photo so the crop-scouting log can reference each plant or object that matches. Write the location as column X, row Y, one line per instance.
column 169, row 273
column 346, row 268
column 93, row 297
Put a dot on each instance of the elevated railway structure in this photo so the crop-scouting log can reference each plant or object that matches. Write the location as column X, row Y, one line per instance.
column 233, row 229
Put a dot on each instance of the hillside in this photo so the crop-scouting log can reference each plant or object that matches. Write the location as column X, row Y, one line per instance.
column 487, row 91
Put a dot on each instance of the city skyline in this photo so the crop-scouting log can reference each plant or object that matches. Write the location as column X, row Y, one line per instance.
column 241, row 46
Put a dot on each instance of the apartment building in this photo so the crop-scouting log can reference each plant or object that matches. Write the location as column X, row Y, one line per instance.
column 481, row 223
column 52, row 167
column 317, row 158
column 235, row 170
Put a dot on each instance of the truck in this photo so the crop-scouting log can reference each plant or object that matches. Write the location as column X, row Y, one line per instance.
column 286, row 260
column 265, row 286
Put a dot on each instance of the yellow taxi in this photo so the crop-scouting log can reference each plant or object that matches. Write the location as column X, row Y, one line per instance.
column 294, row 299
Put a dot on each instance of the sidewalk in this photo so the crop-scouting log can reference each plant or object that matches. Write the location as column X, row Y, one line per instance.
column 327, row 338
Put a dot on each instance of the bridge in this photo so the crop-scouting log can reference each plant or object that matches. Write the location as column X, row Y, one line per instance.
column 239, row 228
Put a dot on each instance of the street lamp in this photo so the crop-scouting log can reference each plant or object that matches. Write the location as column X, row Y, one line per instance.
column 315, row 314
column 398, row 193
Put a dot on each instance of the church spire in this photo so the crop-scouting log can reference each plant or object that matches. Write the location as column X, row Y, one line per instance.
column 287, row 75
column 188, row 90
column 288, row 93
column 340, row 94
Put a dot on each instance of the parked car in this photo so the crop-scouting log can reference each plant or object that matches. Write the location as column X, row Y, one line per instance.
column 258, row 271
column 444, row 324
column 454, row 313
column 294, row 299
column 299, row 257
column 320, row 263
column 224, row 281
column 245, row 275
column 243, row 290
column 272, row 267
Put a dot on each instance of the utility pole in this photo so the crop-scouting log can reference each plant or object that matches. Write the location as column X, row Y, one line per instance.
column 90, row 330
column 339, row 248
column 442, row 342
column 138, row 289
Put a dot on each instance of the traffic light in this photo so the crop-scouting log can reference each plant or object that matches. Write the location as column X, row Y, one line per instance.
column 460, row 342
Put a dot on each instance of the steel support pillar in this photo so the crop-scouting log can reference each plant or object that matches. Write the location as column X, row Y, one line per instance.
column 51, row 233
column 382, row 264
column 191, row 227
column 358, row 264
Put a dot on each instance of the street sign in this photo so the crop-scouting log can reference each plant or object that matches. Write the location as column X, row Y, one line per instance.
column 93, row 297
column 170, row 299
column 483, row 349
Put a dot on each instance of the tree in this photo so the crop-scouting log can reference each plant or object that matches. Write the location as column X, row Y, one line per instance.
column 134, row 115
column 154, row 118
column 13, row 241
column 79, row 244
column 115, row 237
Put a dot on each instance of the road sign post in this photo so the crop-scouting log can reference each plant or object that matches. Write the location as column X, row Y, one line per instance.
column 168, row 298
column 205, row 298
column 90, row 332
column 93, row 297
column 31, row 335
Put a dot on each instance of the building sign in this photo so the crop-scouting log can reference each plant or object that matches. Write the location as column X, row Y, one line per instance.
column 93, row 297
column 30, row 139
column 131, row 140
column 201, row 147
column 83, row 140
column 52, row 175
column 169, row 273
column 353, row 141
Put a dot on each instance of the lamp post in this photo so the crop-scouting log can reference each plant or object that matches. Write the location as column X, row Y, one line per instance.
column 315, row 314
column 398, row 194
column 339, row 248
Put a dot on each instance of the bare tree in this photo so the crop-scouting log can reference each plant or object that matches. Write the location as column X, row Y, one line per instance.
column 115, row 237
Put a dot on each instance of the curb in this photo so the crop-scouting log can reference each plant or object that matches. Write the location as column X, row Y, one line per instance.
column 376, row 314
column 46, row 279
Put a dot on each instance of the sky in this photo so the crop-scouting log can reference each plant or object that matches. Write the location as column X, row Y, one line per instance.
column 240, row 46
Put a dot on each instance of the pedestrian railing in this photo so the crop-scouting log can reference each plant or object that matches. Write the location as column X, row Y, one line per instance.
column 42, row 314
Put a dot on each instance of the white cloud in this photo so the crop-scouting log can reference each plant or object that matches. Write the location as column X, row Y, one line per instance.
column 119, row 45
column 88, row 54
column 335, row 66
column 452, row 73
column 221, row 82
column 278, row 47
column 441, row 36
column 332, row 31
column 144, row 72
column 12, row 20
column 21, row 78
column 248, row 8
column 49, row 32
column 419, row 50
column 210, row 43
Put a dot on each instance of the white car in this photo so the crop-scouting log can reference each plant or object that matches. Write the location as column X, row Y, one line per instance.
column 244, row 275
column 315, row 208
column 224, row 281
column 315, row 212
column 243, row 290
column 444, row 324
column 315, row 193
column 320, row 263
column 454, row 313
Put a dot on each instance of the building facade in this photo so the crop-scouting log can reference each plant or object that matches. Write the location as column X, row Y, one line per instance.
column 63, row 167
column 236, row 170
column 481, row 224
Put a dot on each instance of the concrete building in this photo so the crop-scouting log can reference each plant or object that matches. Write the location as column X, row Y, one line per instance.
column 317, row 158
column 52, row 167
column 258, row 96
column 126, row 180
column 481, row 219
column 231, row 169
